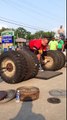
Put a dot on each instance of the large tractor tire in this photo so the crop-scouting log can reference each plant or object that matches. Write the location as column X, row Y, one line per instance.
column 10, row 66
column 49, row 61
column 61, row 57
column 30, row 65
column 16, row 66
column 23, row 63
column 35, row 60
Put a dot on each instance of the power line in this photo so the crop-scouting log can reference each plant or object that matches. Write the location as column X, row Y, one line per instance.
column 18, row 24
column 35, row 7
column 14, row 23
column 20, row 8
column 34, row 10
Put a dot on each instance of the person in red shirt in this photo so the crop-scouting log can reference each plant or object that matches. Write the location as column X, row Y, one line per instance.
column 38, row 46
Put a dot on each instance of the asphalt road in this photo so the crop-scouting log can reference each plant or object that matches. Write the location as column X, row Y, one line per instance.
column 39, row 109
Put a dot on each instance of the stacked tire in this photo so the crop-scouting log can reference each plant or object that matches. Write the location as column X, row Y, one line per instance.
column 52, row 60
column 17, row 66
column 28, row 93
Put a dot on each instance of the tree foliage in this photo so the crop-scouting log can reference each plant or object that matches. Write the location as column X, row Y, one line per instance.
column 3, row 29
column 23, row 33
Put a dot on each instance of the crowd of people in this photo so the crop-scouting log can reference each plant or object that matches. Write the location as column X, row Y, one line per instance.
column 43, row 44
column 38, row 46
column 56, row 44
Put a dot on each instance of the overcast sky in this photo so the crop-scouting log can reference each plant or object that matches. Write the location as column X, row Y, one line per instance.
column 33, row 15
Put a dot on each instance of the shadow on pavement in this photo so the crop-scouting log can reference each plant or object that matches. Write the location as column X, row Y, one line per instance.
column 26, row 113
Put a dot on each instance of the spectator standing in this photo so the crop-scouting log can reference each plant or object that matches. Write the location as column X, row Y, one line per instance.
column 61, row 32
column 65, row 44
column 53, row 44
column 60, row 45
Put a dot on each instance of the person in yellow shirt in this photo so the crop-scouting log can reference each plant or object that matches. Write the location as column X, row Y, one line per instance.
column 53, row 44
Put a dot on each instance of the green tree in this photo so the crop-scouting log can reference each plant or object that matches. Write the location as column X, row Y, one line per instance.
column 22, row 33
column 41, row 34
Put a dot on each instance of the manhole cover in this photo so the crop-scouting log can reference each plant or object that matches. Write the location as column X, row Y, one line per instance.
column 54, row 100
column 10, row 95
column 3, row 94
column 58, row 92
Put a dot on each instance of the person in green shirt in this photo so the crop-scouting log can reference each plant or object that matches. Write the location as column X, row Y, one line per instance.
column 52, row 45
column 60, row 45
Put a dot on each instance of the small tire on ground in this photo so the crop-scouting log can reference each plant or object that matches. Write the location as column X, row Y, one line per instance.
column 28, row 93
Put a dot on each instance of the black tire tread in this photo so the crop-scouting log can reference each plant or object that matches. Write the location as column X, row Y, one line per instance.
column 16, row 60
